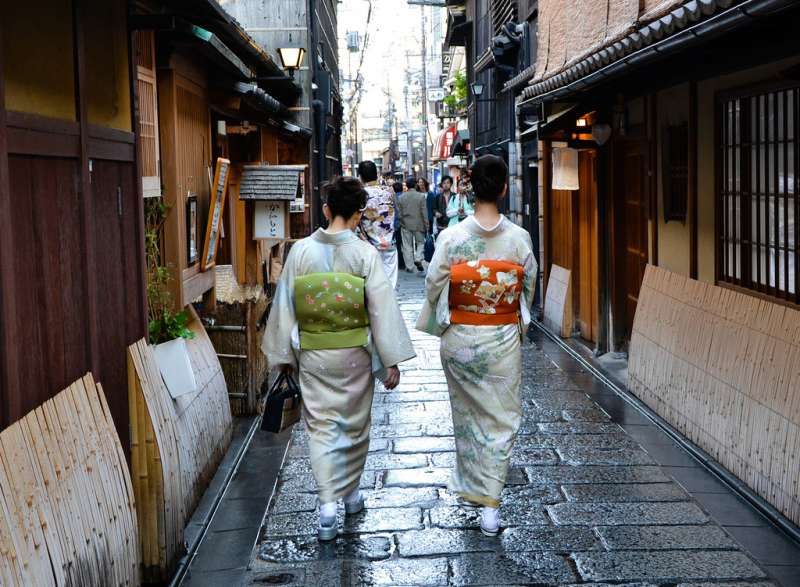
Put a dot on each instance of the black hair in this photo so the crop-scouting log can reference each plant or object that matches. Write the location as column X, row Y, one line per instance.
column 411, row 183
column 397, row 187
column 425, row 181
column 489, row 177
column 444, row 179
column 367, row 171
column 345, row 196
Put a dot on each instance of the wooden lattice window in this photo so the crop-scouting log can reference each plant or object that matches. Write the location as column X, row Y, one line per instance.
column 675, row 170
column 758, row 206
column 148, row 114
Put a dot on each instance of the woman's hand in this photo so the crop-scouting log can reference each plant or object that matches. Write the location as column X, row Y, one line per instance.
column 392, row 377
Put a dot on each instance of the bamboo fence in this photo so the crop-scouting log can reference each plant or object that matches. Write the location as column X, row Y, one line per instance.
column 724, row 369
column 176, row 446
column 67, row 513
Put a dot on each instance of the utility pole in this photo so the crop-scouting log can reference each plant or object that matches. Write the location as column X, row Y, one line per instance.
column 424, row 96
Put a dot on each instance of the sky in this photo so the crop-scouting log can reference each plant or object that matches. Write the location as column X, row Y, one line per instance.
column 393, row 45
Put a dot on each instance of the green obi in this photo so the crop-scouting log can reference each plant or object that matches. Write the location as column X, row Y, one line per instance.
column 330, row 310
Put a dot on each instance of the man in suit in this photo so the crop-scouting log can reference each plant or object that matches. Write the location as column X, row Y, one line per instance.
column 414, row 222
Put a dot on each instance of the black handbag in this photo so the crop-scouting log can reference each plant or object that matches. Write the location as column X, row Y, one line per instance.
column 282, row 409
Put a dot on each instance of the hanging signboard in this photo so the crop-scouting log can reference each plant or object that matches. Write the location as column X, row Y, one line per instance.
column 219, row 188
column 269, row 221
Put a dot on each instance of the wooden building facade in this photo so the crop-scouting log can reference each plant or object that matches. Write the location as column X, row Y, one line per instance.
column 71, row 244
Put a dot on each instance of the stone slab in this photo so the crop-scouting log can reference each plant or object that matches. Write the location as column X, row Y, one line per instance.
column 626, row 492
column 514, row 568
column 424, row 444
column 626, row 514
column 438, row 541
column 382, row 461
column 544, row 538
column 665, row 538
column 565, row 474
column 416, row 477
column 666, row 566
column 600, row 456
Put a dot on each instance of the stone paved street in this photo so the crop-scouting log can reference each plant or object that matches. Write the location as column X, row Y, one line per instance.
column 585, row 503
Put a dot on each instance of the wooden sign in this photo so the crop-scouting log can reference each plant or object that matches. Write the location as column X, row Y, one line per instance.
column 219, row 189
column 269, row 221
column 558, row 315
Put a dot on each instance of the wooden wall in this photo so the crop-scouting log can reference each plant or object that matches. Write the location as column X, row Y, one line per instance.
column 724, row 369
column 71, row 248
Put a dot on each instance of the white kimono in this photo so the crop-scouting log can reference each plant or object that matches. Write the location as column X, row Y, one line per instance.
column 337, row 384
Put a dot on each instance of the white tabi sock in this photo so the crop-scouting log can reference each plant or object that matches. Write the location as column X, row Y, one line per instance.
column 327, row 511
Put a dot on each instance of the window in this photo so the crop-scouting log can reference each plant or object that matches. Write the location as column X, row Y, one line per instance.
column 757, row 190
column 675, row 168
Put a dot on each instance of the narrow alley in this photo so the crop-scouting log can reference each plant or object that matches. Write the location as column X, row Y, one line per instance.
column 597, row 495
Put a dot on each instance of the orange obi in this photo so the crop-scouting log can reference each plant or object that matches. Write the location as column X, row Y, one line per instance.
column 485, row 292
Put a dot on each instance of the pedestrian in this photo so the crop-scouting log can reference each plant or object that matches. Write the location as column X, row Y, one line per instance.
column 438, row 205
column 377, row 222
column 414, row 225
column 483, row 272
column 460, row 205
column 336, row 321
column 397, row 186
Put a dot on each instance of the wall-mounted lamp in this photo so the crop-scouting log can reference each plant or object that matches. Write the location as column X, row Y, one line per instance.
column 477, row 89
column 582, row 122
column 291, row 58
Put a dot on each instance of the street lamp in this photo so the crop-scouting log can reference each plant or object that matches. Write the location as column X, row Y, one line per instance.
column 291, row 58
column 477, row 89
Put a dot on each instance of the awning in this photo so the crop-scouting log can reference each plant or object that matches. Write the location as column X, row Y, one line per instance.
column 687, row 24
column 270, row 182
column 443, row 144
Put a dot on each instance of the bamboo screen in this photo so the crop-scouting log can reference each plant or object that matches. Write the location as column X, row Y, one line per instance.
column 176, row 446
column 66, row 502
column 723, row 368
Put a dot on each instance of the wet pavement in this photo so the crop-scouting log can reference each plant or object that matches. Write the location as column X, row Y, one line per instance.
column 597, row 495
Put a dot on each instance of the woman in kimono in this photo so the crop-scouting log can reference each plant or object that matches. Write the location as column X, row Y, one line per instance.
column 479, row 287
column 336, row 321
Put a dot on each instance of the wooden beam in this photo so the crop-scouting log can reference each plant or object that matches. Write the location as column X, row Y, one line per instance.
column 9, row 349
column 86, row 200
column 547, row 217
column 692, row 191
column 141, row 256
column 168, row 138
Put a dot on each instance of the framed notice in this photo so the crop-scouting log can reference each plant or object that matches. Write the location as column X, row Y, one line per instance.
column 219, row 188
column 192, row 254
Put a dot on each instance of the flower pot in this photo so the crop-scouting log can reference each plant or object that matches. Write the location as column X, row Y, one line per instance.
column 172, row 358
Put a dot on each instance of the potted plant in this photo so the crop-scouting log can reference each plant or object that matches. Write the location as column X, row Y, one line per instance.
column 167, row 330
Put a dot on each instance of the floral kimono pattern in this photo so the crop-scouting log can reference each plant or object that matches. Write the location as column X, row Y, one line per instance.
column 337, row 383
column 481, row 354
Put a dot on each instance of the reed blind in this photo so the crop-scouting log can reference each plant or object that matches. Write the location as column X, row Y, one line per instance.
column 757, row 191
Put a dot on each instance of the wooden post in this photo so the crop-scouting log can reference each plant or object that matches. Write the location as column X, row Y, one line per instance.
column 692, row 191
column 9, row 357
column 547, row 193
column 141, row 260
column 173, row 232
column 86, row 199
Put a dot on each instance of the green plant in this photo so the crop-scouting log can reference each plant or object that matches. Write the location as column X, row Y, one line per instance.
column 163, row 322
column 459, row 92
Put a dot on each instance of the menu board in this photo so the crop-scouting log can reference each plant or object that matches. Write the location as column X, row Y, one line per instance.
column 218, row 192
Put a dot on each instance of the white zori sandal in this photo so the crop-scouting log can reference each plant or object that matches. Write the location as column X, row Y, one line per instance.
column 353, row 503
column 328, row 524
column 490, row 521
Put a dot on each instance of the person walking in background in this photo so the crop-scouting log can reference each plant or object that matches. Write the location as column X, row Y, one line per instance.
column 438, row 207
column 414, row 225
column 336, row 320
column 377, row 222
column 483, row 272
column 460, row 204
column 397, row 186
